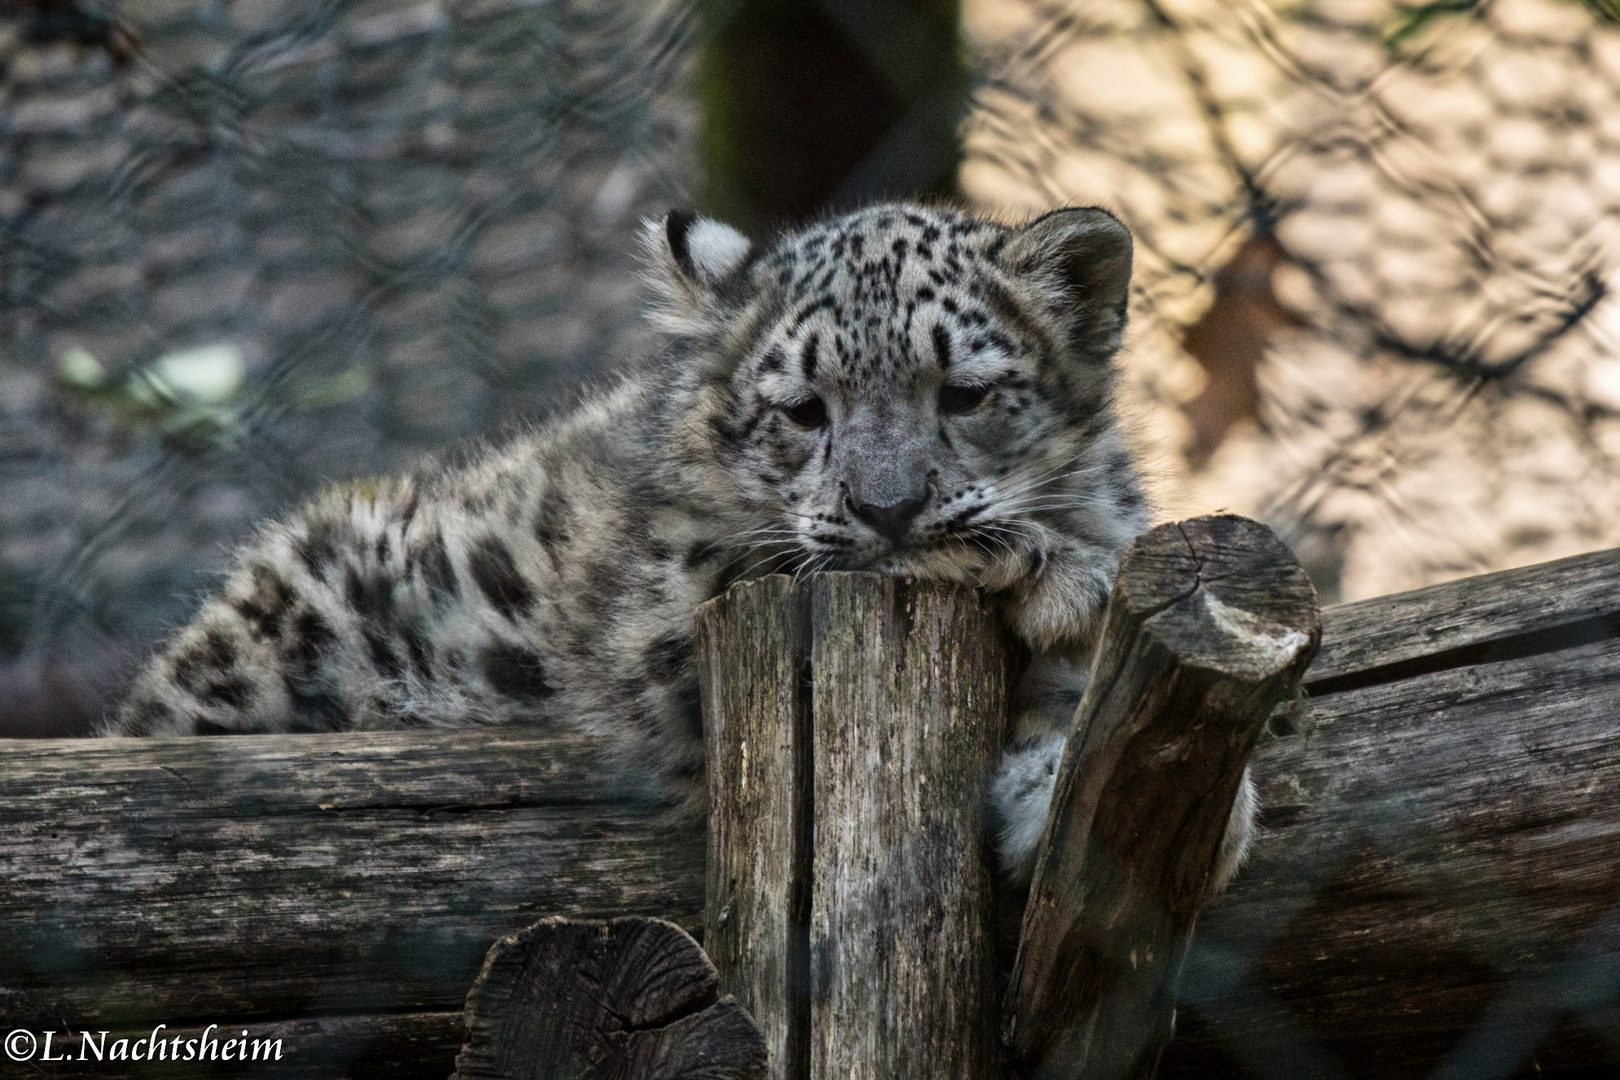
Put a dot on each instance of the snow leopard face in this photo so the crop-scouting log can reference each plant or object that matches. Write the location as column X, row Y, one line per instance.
column 911, row 390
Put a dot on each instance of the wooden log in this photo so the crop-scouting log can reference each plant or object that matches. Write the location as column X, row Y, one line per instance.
column 1211, row 625
column 1436, row 881
column 358, row 878
column 632, row 998
column 909, row 714
column 201, row 881
column 753, row 648
column 1479, row 620
column 877, row 787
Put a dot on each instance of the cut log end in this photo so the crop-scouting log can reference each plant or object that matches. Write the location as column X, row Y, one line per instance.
column 625, row 997
column 1222, row 594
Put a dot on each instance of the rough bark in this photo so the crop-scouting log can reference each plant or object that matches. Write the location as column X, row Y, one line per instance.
column 880, row 705
column 633, row 998
column 911, row 691
column 1211, row 625
column 1478, row 620
column 753, row 648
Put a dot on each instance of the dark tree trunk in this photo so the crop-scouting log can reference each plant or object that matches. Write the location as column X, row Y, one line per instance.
column 816, row 104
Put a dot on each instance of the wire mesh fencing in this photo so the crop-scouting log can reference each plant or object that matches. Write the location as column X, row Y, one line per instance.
column 1377, row 250
column 1377, row 246
column 249, row 247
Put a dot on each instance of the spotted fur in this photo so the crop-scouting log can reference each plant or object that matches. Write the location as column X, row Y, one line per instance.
column 906, row 389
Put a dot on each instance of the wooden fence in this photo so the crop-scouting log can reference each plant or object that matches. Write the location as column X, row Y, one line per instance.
column 1434, row 884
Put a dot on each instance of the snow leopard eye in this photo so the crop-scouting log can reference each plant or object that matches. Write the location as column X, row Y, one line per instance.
column 956, row 400
column 811, row 413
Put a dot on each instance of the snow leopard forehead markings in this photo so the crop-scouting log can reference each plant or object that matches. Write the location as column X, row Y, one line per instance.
column 907, row 389
column 874, row 297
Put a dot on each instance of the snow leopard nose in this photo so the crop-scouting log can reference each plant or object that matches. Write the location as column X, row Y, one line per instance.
column 891, row 521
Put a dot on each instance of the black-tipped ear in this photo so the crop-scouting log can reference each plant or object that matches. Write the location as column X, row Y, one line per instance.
column 705, row 253
column 1086, row 253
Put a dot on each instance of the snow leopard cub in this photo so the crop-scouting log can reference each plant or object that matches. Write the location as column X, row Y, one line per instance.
column 906, row 389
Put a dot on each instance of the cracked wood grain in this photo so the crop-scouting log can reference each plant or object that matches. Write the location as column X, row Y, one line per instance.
column 1477, row 620
column 278, row 876
column 852, row 723
column 1436, row 880
column 753, row 649
column 1438, row 845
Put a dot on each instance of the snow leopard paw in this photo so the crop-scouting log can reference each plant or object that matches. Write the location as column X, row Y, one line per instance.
column 1020, row 793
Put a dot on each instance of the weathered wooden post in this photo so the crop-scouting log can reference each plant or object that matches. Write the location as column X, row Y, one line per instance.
column 852, row 722
column 1211, row 625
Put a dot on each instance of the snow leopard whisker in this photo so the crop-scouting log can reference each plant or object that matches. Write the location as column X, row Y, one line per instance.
column 1073, row 502
column 1063, row 469
column 1028, row 498
column 1024, row 487
column 1023, row 480
column 754, row 567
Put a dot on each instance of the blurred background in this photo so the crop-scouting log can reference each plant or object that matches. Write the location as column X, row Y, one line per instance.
column 250, row 247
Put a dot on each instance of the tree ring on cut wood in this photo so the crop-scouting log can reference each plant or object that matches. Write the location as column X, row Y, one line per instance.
column 630, row 998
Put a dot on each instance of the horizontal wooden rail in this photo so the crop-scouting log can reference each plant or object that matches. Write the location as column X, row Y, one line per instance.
column 338, row 890
column 1437, row 883
column 1441, row 849
column 1524, row 612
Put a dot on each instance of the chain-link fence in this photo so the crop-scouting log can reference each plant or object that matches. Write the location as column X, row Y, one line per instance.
column 1376, row 245
column 1377, row 251
column 248, row 247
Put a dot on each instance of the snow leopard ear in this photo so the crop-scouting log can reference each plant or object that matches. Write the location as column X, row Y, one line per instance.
column 696, row 261
column 1084, row 257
